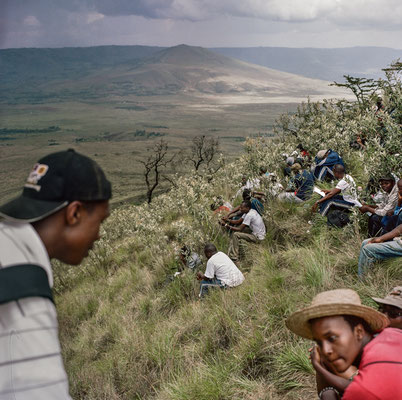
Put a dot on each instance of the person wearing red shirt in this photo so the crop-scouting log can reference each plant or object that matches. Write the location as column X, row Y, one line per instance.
column 349, row 361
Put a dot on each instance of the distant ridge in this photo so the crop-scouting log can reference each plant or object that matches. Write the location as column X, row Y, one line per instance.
column 41, row 75
column 327, row 64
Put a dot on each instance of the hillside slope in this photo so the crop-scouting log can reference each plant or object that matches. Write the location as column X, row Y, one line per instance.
column 129, row 330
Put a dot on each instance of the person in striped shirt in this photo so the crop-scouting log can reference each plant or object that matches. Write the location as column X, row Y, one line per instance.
column 64, row 201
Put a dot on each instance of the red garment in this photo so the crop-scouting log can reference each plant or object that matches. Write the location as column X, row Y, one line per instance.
column 380, row 369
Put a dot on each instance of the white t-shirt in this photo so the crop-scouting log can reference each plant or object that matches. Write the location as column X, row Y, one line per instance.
column 224, row 269
column 256, row 224
column 348, row 189
column 30, row 358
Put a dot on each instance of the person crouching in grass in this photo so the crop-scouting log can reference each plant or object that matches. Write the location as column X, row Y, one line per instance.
column 221, row 271
column 350, row 362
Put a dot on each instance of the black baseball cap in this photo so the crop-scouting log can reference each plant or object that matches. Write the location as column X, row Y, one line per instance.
column 387, row 176
column 56, row 180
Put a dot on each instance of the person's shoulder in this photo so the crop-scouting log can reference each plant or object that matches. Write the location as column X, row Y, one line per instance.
column 386, row 346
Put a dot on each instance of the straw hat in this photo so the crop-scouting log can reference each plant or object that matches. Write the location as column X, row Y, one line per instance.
column 393, row 299
column 331, row 303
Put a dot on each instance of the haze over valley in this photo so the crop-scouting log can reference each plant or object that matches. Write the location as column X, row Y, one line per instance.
column 114, row 102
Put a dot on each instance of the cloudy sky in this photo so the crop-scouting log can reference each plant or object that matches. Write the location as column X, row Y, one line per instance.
column 208, row 23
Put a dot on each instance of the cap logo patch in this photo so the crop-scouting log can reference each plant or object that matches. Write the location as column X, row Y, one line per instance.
column 37, row 173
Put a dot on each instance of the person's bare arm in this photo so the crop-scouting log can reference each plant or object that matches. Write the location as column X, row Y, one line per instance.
column 326, row 378
column 237, row 228
column 367, row 208
column 202, row 277
column 388, row 236
column 331, row 193
column 232, row 213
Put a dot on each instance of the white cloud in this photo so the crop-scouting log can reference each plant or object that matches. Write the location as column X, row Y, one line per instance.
column 93, row 17
column 31, row 21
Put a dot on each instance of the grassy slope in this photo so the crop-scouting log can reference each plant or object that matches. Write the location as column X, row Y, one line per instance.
column 128, row 334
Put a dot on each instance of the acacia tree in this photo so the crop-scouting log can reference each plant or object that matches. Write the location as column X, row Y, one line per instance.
column 203, row 151
column 154, row 166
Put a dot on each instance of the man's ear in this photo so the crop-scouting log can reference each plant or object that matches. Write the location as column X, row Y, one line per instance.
column 359, row 332
column 74, row 212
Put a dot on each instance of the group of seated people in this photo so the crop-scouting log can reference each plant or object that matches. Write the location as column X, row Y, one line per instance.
column 358, row 350
column 245, row 223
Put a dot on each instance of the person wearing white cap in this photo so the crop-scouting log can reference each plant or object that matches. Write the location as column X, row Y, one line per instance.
column 343, row 330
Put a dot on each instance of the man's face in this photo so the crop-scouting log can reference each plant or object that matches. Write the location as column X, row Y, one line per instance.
column 394, row 315
column 244, row 209
column 84, row 234
column 339, row 345
column 387, row 185
column 339, row 174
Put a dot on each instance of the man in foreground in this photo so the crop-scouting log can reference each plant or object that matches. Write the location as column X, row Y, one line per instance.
column 220, row 272
column 386, row 246
column 350, row 362
column 58, row 215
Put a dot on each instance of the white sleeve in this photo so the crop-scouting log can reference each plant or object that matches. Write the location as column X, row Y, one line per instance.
column 210, row 271
column 247, row 219
column 342, row 185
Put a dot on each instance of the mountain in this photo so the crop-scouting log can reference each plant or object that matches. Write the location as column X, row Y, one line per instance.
column 42, row 75
column 327, row 64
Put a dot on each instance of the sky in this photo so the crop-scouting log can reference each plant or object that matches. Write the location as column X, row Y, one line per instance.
column 207, row 23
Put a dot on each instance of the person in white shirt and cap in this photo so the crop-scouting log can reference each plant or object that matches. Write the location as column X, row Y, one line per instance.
column 64, row 201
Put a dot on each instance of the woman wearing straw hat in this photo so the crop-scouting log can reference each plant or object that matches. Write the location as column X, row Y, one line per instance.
column 343, row 330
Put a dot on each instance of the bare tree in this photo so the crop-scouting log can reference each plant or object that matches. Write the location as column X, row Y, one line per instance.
column 203, row 150
column 154, row 166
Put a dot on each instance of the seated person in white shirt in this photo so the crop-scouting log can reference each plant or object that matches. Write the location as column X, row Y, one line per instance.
column 220, row 272
column 344, row 195
column 250, row 219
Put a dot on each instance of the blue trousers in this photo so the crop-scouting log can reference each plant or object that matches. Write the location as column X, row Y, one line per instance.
column 335, row 201
column 371, row 252
column 206, row 284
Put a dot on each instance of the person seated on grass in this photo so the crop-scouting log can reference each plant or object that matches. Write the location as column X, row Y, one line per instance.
column 304, row 157
column 325, row 160
column 396, row 218
column 391, row 306
column 377, row 221
column 220, row 272
column 350, row 363
column 386, row 246
column 235, row 215
column 287, row 171
column 300, row 186
column 57, row 216
column 343, row 195
column 251, row 221
column 189, row 259
column 243, row 186
column 275, row 188
column 219, row 206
